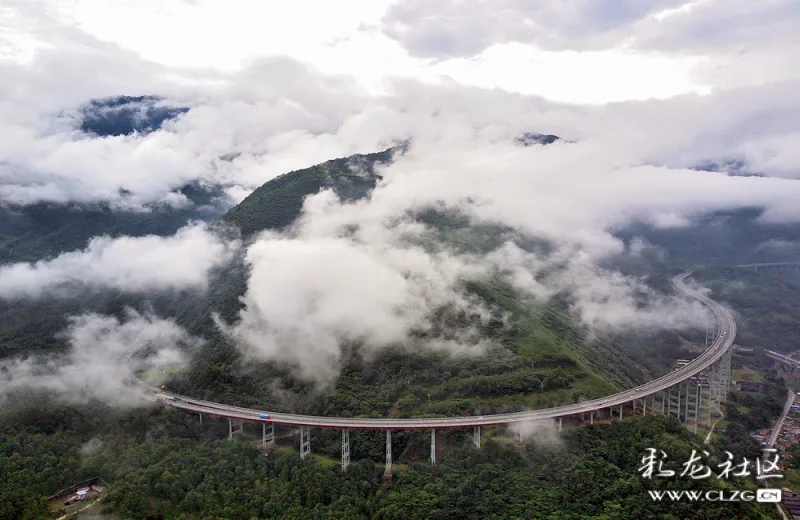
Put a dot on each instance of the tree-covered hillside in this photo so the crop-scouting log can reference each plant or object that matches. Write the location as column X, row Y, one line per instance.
column 163, row 465
column 37, row 231
column 722, row 238
column 279, row 202
column 766, row 303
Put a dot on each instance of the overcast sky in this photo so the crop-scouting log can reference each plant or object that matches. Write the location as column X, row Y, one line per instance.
column 584, row 51
column 644, row 89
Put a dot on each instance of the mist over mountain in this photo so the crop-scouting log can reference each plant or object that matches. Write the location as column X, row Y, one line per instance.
column 388, row 209
column 402, row 209
column 125, row 115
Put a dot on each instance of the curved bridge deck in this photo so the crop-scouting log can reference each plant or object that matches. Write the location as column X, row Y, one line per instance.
column 720, row 345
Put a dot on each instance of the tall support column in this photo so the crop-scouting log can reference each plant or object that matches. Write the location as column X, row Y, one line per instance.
column 591, row 417
column 345, row 449
column 644, row 407
column 433, row 447
column 714, row 389
column 267, row 435
column 725, row 375
column 234, row 428
column 669, row 403
column 663, row 404
column 476, row 436
column 387, row 472
column 697, row 404
column 559, row 425
column 201, row 419
column 686, row 412
column 620, row 412
column 305, row 442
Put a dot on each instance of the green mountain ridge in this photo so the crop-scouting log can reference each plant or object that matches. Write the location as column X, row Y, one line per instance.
column 278, row 202
column 547, row 358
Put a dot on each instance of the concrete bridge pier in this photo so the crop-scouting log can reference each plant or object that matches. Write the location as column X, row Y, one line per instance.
column 305, row 442
column 669, row 401
column 345, row 449
column 387, row 472
column 267, row 435
column 234, row 428
column 559, row 424
column 433, row 447
column 476, row 437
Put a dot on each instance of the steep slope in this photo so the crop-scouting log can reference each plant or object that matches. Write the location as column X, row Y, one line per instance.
column 723, row 238
column 277, row 203
column 539, row 357
column 37, row 231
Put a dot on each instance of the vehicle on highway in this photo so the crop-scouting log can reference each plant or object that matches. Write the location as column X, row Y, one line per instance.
column 264, row 415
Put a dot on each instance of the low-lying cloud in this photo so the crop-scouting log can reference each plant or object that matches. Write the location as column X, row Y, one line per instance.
column 308, row 296
column 134, row 264
column 365, row 272
column 92, row 368
column 542, row 432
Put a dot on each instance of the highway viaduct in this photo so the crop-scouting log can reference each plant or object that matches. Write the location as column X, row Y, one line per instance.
column 771, row 265
column 691, row 393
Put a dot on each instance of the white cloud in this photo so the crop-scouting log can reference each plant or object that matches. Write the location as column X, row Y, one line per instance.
column 452, row 28
column 137, row 264
column 309, row 295
column 256, row 114
column 92, row 368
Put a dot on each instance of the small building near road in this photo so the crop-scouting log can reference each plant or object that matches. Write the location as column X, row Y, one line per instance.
column 78, row 493
column 749, row 386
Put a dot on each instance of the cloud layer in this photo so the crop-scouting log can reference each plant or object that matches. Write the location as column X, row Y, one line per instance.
column 365, row 272
column 92, row 369
column 133, row 264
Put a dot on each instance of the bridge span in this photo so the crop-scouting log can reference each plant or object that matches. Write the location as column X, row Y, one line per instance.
column 689, row 393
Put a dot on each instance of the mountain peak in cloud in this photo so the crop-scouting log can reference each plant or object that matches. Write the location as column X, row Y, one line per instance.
column 126, row 115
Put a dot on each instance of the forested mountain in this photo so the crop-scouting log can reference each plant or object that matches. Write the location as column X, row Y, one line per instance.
column 31, row 232
column 125, row 115
column 723, row 238
column 766, row 302
column 538, row 355
column 279, row 202
column 164, row 465
column 36, row 231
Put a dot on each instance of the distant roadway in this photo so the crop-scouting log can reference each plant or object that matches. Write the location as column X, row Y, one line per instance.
column 727, row 333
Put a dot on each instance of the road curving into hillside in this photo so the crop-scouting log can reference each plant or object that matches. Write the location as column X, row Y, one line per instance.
column 721, row 344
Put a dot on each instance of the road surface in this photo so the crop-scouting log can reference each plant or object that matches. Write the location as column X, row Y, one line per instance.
column 727, row 333
column 782, row 358
column 779, row 425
